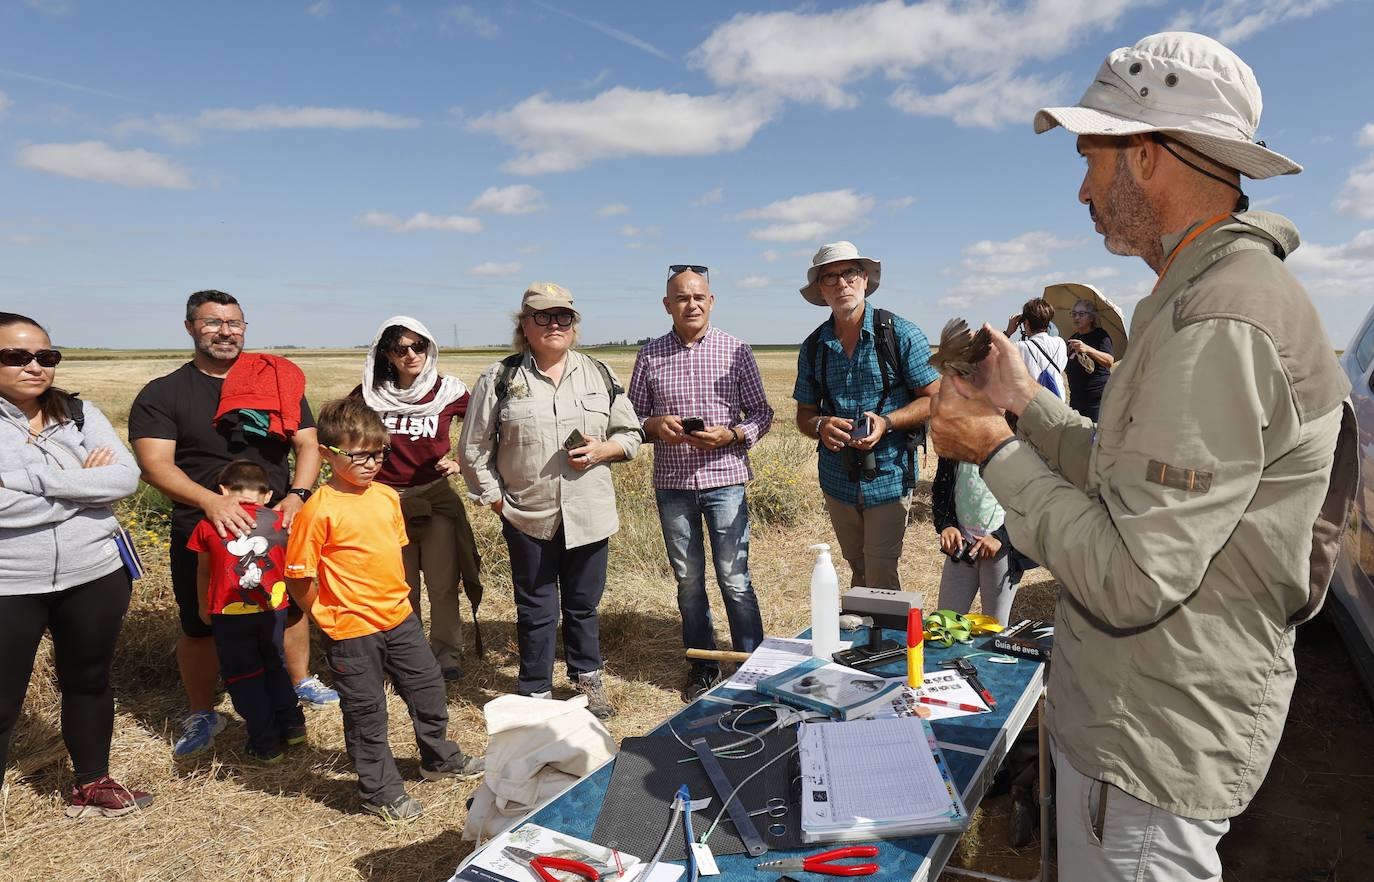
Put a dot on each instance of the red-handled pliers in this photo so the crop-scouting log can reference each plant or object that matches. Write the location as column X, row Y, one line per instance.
column 541, row 864
column 820, row 863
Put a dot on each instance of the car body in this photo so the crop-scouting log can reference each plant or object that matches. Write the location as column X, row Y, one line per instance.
column 1352, row 586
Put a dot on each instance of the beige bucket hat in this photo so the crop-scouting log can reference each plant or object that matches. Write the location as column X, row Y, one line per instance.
column 547, row 295
column 1186, row 86
column 834, row 253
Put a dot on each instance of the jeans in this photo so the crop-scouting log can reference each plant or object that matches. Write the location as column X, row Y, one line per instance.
column 726, row 514
column 249, row 647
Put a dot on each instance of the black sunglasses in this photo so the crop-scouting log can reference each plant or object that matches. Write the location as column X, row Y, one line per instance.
column 676, row 268
column 419, row 347
column 47, row 358
column 561, row 319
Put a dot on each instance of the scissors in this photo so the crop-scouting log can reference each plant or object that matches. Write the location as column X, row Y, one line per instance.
column 774, row 808
column 541, row 864
column 820, row 863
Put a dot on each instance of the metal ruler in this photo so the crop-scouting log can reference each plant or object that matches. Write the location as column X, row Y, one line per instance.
column 744, row 825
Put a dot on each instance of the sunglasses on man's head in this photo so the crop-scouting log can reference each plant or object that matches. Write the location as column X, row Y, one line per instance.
column 419, row 347
column 47, row 358
column 684, row 267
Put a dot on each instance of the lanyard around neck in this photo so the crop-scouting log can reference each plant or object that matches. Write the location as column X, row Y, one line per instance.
column 1197, row 231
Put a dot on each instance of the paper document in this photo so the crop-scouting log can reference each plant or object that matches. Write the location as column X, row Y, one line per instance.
column 490, row 865
column 773, row 656
column 875, row 777
column 946, row 686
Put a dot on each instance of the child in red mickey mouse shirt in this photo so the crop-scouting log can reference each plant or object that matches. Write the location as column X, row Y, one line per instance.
column 242, row 586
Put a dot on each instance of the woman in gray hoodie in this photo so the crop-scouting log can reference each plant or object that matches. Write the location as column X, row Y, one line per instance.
column 61, row 468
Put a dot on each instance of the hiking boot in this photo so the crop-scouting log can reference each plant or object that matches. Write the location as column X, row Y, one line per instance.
column 464, row 767
column 589, row 684
column 400, row 810
column 700, row 680
column 293, row 736
column 106, row 798
column 314, row 694
column 198, row 732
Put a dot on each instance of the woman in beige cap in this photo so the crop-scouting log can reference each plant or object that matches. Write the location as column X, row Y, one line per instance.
column 543, row 426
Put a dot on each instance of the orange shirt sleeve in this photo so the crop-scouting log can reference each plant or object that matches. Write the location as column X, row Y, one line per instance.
column 399, row 520
column 309, row 531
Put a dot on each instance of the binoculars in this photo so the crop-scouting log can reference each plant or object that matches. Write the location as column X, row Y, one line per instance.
column 964, row 554
column 862, row 465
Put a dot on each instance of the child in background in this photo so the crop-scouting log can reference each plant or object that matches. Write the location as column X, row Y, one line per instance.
column 344, row 566
column 965, row 511
column 243, row 599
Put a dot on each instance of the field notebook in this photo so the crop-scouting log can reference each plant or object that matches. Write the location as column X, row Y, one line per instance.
column 838, row 691
column 875, row 779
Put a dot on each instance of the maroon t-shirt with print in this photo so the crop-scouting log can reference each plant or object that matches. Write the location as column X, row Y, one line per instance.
column 417, row 442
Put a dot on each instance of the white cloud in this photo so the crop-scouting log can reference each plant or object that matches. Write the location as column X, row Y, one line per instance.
column 613, row 209
column 493, row 269
column 98, row 161
column 750, row 283
column 444, row 223
column 1233, row 21
column 983, row 287
column 900, row 203
column 515, row 199
column 463, row 19
column 817, row 56
column 320, row 9
column 990, row 103
column 710, row 197
column 1357, row 196
column 1336, row 270
column 1026, row 252
column 264, row 117
column 560, row 136
column 810, row 216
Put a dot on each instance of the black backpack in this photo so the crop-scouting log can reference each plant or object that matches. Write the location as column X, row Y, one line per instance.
column 889, row 367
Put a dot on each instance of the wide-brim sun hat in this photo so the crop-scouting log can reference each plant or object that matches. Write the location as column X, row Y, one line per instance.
column 1064, row 295
column 547, row 295
column 834, row 253
column 1183, row 85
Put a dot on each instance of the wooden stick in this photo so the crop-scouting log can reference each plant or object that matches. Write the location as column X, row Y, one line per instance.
column 717, row 655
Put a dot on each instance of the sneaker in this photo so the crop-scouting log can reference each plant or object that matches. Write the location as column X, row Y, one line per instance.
column 453, row 673
column 589, row 684
column 293, row 736
column 106, row 798
column 314, row 694
column 198, row 732
column 464, row 767
column 700, row 680
column 270, row 758
column 547, row 693
column 400, row 810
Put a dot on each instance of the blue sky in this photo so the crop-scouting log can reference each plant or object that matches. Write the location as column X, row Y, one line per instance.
column 332, row 163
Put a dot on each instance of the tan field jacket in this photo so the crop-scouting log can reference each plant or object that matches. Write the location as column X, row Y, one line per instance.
column 1193, row 527
column 529, row 469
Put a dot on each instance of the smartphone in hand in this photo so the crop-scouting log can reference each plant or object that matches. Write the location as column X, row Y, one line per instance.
column 861, row 429
column 693, row 424
column 574, row 440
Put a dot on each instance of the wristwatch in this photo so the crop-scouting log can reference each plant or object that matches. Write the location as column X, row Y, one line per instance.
column 303, row 493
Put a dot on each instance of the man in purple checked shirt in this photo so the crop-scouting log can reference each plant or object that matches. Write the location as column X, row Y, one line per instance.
column 700, row 373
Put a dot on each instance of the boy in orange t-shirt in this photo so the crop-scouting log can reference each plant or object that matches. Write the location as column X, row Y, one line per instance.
column 343, row 564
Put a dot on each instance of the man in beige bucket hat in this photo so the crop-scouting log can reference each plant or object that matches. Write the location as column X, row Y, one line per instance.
column 863, row 367
column 1196, row 524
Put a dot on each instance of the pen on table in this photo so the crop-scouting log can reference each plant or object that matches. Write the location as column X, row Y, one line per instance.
column 971, row 708
column 915, row 635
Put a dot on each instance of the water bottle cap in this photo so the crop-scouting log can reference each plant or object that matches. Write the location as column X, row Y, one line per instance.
column 820, row 547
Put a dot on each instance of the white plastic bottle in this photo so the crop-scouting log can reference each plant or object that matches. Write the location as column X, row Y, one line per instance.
column 825, row 605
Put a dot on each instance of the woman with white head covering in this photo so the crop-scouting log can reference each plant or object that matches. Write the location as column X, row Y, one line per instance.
column 417, row 404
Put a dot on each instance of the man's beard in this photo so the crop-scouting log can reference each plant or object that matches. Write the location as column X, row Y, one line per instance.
column 206, row 348
column 1129, row 222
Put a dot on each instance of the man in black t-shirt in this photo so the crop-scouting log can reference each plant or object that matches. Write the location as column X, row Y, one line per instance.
column 181, row 452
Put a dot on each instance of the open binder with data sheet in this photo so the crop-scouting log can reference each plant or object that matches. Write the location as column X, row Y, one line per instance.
column 881, row 778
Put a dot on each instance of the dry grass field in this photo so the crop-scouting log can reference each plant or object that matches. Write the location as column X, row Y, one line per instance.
column 224, row 817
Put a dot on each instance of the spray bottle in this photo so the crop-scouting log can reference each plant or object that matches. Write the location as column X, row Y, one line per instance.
column 825, row 605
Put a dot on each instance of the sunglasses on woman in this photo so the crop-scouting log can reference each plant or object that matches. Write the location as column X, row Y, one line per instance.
column 419, row 347
column 561, row 319
column 47, row 358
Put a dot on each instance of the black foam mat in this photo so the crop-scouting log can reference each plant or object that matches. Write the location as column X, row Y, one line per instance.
column 647, row 775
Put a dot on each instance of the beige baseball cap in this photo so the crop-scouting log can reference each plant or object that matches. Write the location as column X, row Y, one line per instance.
column 1186, row 86
column 834, row 253
column 547, row 295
